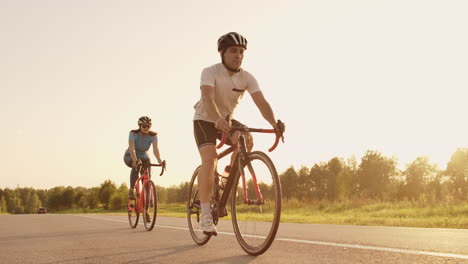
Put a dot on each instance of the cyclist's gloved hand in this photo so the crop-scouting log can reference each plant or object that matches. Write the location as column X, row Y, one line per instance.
column 280, row 128
column 136, row 163
column 222, row 124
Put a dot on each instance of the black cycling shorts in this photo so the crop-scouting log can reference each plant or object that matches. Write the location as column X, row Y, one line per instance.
column 206, row 133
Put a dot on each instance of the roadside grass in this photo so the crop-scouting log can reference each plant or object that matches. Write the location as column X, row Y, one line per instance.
column 404, row 214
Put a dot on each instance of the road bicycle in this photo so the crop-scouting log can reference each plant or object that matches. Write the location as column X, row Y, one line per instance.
column 145, row 202
column 253, row 174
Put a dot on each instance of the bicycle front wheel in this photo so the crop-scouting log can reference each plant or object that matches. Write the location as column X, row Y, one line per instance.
column 256, row 219
column 194, row 212
column 133, row 215
column 150, row 205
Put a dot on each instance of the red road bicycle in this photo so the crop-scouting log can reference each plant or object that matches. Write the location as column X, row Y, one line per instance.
column 253, row 174
column 145, row 202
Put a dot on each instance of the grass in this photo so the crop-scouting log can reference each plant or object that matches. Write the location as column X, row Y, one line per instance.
column 405, row 214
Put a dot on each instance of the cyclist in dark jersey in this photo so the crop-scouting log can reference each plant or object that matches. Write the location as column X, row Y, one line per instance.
column 139, row 142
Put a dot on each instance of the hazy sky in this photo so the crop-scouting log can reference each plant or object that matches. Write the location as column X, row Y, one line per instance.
column 345, row 77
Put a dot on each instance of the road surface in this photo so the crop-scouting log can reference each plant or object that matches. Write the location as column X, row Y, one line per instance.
column 86, row 238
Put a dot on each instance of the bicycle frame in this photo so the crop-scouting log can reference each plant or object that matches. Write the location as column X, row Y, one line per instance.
column 242, row 158
column 244, row 218
column 144, row 179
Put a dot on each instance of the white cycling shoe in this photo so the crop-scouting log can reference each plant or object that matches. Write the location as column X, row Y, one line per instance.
column 207, row 225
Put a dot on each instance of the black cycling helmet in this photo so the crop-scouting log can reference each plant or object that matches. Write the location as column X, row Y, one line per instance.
column 144, row 120
column 231, row 39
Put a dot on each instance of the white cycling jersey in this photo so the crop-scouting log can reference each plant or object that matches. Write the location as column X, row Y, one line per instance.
column 228, row 90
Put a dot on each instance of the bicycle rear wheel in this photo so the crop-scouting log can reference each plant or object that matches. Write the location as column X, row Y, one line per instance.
column 194, row 212
column 150, row 205
column 133, row 215
column 256, row 222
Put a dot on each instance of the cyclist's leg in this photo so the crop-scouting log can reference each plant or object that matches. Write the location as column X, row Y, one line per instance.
column 205, row 136
column 133, row 178
column 206, row 179
column 133, row 174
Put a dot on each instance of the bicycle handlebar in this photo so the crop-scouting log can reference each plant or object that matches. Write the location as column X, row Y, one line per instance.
column 259, row 130
column 163, row 165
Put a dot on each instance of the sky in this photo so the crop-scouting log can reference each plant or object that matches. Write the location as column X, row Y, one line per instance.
column 345, row 77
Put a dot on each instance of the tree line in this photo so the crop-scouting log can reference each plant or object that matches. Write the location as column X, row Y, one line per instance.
column 376, row 177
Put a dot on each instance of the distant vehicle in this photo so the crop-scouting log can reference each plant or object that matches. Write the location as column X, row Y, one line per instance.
column 42, row 210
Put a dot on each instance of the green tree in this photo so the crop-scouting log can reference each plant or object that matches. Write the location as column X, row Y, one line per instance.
column 25, row 196
column 9, row 198
column 33, row 204
column 183, row 191
column 118, row 200
column 91, row 198
column 289, row 181
column 105, row 192
column 457, row 171
column 54, row 199
column 42, row 195
column 68, row 197
column 304, row 184
column 435, row 187
column 418, row 174
column 334, row 168
column 374, row 174
column 347, row 186
column 79, row 193
column 175, row 194
column 3, row 205
column 318, row 179
column 162, row 194
column 18, row 206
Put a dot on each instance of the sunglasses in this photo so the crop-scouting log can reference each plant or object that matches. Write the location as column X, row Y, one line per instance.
column 145, row 126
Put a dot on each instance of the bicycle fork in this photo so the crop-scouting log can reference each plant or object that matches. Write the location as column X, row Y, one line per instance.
column 260, row 199
column 245, row 159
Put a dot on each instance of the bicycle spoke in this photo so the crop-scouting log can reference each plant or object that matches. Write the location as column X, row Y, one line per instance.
column 256, row 217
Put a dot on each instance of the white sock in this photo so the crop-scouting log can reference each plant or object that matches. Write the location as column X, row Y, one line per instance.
column 205, row 208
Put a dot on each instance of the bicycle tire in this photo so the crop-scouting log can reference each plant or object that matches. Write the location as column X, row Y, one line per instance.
column 150, row 203
column 132, row 210
column 194, row 212
column 244, row 217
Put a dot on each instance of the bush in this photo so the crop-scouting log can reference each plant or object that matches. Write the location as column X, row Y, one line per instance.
column 118, row 201
column 19, row 210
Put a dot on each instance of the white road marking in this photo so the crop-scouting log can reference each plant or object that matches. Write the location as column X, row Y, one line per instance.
column 395, row 250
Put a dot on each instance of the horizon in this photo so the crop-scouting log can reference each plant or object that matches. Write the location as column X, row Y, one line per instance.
column 297, row 169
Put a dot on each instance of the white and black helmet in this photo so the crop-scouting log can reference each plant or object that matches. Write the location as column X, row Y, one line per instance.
column 144, row 120
column 231, row 39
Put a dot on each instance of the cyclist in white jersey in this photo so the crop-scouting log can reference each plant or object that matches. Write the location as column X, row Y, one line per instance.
column 222, row 86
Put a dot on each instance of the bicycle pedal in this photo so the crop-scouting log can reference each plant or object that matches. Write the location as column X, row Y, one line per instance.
column 210, row 233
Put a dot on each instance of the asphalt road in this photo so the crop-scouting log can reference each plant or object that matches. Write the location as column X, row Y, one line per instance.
column 109, row 239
